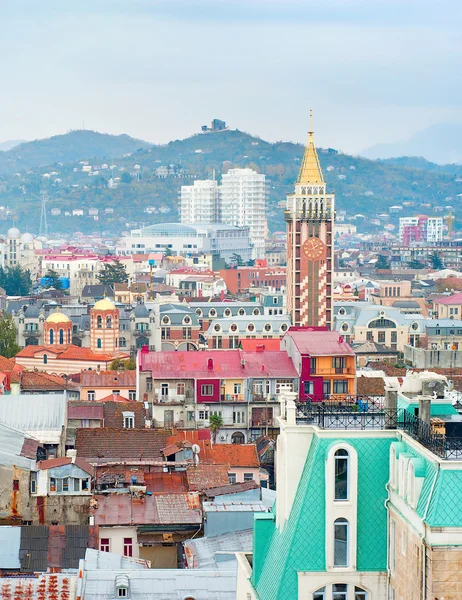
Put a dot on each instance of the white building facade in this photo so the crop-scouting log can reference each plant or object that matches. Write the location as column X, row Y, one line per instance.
column 243, row 203
column 199, row 202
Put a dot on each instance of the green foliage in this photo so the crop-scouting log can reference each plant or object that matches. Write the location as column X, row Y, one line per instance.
column 114, row 272
column 215, row 424
column 8, row 346
column 53, row 280
column 416, row 264
column 168, row 252
column 15, row 281
column 118, row 364
column 126, row 177
column 382, row 263
column 435, row 261
column 236, row 260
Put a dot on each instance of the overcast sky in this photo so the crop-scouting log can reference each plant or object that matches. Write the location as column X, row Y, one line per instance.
column 372, row 70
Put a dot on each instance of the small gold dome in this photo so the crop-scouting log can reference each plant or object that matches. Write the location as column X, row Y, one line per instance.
column 57, row 317
column 104, row 304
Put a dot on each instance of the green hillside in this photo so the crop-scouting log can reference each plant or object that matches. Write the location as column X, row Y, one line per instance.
column 361, row 185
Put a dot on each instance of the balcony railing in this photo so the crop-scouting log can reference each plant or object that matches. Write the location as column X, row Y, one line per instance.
column 232, row 397
column 264, row 398
column 141, row 332
column 172, row 398
column 31, row 333
column 365, row 413
column 333, row 371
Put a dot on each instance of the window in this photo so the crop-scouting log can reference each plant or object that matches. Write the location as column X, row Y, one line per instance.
column 394, row 336
column 238, row 416
column 233, row 341
column 16, row 485
column 66, row 484
column 248, row 476
column 382, row 324
column 91, row 395
column 180, row 389
column 207, row 390
column 340, row 543
column 51, row 336
column 370, row 336
column 361, row 594
column 312, row 365
column 33, row 482
column 164, row 390
column 129, row 420
column 104, row 545
column 128, row 547
column 339, row 591
column 45, row 359
column 287, row 384
column 109, row 323
column 187, row 333
column 98, row 343
column 326, row 387
column 320, row 594
column 132, row 394
column 203, row 415
column 99, row 321
column 61, row 336
column 341, row 475
column 165, row 333
column 237, row 388
column 308, row 387
column 122, row 342
column 381, row 337
column 232, row 477
column 339, row 363
column 340, row 386
column 52, row 484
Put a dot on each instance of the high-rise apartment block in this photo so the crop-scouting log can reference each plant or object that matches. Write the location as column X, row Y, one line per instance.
column 199, row 202
column 243, row 203
column 420, row 229
column 310, row 219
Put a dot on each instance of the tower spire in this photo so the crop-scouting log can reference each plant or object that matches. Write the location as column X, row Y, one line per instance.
column 310, row 170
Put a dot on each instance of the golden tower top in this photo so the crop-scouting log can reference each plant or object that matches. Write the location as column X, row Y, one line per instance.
column 310, row 170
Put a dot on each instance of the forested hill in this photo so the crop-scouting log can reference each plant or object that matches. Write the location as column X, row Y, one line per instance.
column 128, row 179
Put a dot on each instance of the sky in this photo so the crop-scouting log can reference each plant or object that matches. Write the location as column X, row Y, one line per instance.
column 372, row 70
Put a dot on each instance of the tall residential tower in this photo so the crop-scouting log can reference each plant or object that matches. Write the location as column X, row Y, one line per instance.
column 310, row 254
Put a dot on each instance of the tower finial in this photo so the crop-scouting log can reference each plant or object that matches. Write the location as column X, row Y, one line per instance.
column 311, row 122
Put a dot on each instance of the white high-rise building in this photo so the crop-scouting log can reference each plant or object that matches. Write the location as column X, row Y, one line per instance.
column 199, row 202
column 243, row 203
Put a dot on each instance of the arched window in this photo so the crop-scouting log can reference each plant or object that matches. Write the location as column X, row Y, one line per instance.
column 382, row 324
column 68, row 336
column 320, row 594
column 108, row 322
column 340, row 543
column 339, row 591
column 61, row 336
column 45, row 359
column 237, row 438
column 360, row 594
column 122, row 342
column 99, row 321
column 98, row 343
column 51, row 336
column 341, row 458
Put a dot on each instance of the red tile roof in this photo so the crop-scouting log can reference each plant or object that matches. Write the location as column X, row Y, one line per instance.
column 203, row 476
column 94, row 379
column 115, row 398
column 8, row 365
column 213, row 364
column 34, row 380
column 454, row 299
column 236, row 455
column 85, row 410
column 68, row 353
column 169, row 483
column 121, row 444
column 52, row 463
column 258, row 345
column 370, row 386
column 319, row 343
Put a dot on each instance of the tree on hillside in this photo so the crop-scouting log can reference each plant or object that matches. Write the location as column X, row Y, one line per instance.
column 118, row 364
column 8, row 331
column 416, row 264
column 436, row 261
column 15, row 281
column 215, row 424
column 382, row 263
column 53, row 280
column 126, row 177
column 114, row 272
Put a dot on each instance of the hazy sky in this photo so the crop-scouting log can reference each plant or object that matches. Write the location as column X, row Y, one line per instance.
column 372, row 70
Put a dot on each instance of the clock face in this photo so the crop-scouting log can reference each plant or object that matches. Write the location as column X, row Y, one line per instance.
column 314, row 249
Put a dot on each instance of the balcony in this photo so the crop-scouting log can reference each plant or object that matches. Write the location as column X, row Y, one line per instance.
column 333, row 371
column 31, row 333
column 264, row 398
column 232, row 397
column 172, row 398
column 141, row 332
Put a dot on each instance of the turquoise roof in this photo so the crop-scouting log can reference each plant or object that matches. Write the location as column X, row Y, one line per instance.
column 300, row 546
column 437, row 409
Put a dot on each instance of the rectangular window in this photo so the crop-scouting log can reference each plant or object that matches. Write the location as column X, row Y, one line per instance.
column 66, row 484
column 341, row 543
column 33, row 482
column 164, row 390
column 207, row 390
column 237, row 388
column 203, row 415
column 132, row 394
column 187, row 333
column 105, row 545
column 52, row 484
column 312, row 366
column 128, row 547
column 309, row 387
column 180, row 389
column 165, row 333
column 394, row 336
column 232, row 477
column 90, row 395
column 248, row 476
column 286, row 384
column 326, row 387
column 129, row 422
column 340, row 386
column 122, row 593
column 341, row 475
column 369, row 336
column 339, row 363
column 16, row 485
column 381, row 337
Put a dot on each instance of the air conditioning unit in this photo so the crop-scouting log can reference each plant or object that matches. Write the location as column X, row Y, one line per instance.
column 222, row 438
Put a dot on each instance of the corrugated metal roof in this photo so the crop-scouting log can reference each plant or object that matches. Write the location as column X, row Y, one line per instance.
column 40, row 415
column 10, row 541
column 320, row 343
column 16, row 448
column 234, row 507
column 201, row 552
column 95, row 559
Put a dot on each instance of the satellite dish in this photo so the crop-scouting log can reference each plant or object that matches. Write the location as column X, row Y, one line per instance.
column 196, row 448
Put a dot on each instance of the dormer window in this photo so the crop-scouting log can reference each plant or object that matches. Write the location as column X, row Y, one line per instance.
column 129, row 419
column 122, row 585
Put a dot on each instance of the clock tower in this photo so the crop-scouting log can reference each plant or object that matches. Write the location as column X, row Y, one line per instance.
column 309, row 216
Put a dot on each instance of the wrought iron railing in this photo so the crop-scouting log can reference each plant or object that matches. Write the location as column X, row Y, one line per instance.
column 365, row 413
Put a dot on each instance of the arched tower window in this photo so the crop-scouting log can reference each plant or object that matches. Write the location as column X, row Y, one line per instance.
column 109, row 322
column 45, row 359
column 68, row 336
column 61, row 336
column 99, row 321
column 341, row 527
column 51, row 336
column 98, row 343
column 341, row 458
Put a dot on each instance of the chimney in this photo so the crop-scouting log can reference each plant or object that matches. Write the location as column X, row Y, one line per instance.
column 210, row 364
column 424, row 409
column 71, row 453
column 391, row 404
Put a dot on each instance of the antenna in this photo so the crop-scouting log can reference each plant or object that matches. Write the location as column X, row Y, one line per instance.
column 43, row 215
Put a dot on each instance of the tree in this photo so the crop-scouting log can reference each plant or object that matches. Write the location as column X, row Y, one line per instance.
column 416, row 264
column 126, row 178
column 236, row 260
column 53, row 280
column 8, row 332
column 436, row 261
column 382, row 263
column 114, row 272
column 250, row 262
column 15, row 280
column 168, row 252
column 215, row 424
column 118, row 364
